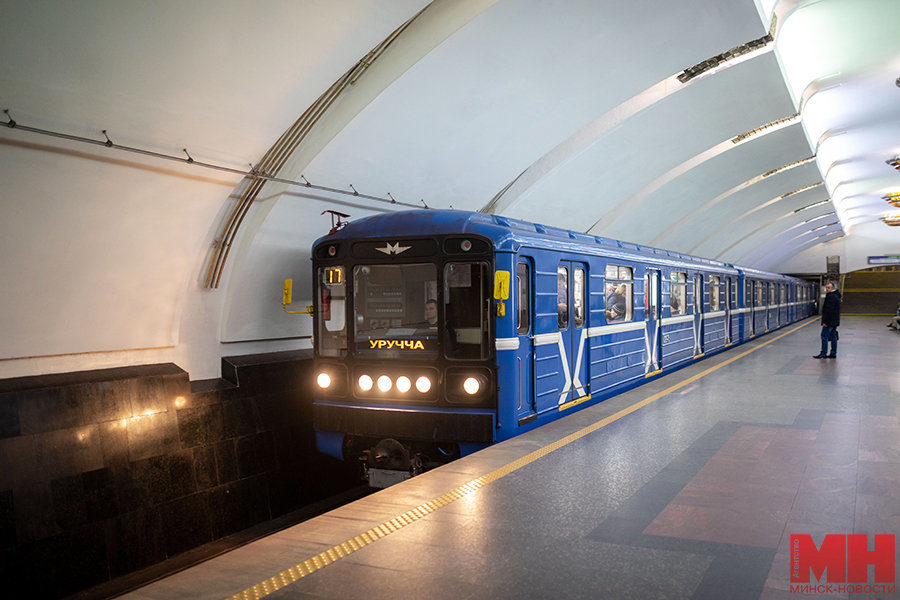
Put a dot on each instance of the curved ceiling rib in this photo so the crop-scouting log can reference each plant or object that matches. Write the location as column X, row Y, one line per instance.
column 781, row 253
column 326, row 117
column 764, row 247
column 634, row 202
column 587, row 135
column 275, row 158
column 796, row 245
column 767, row 223
column 753, row 210
column 658, row 240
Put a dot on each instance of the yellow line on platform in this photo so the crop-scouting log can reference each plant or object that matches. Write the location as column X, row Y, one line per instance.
column 335, row 553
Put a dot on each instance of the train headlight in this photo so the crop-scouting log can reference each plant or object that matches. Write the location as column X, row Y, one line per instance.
column 384, row 383
column 365, row 383
column 471, row 385
column 403, row 384
column 423, row 384
column 324, row 380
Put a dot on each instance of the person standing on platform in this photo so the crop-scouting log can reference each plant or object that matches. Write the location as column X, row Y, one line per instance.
column 831, row 318
column 895, row 320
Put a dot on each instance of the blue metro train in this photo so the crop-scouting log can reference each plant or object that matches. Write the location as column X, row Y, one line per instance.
column 439, row 332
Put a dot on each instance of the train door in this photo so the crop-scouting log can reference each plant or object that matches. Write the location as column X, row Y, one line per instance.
column 698, row 315
column 749, row 303
column 654, row 339
column 572, row 279
column 729, row 286
column 526, row 406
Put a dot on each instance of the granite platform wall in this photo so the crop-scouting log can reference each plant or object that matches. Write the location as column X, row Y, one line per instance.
column 108, row 471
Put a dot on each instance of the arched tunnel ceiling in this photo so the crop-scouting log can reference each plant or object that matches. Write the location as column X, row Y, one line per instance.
column 566, row 112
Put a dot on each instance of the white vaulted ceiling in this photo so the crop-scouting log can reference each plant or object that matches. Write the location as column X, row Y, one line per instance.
column 566, row 112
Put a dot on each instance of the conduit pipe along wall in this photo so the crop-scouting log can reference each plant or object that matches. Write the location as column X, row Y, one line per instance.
column 277, row 155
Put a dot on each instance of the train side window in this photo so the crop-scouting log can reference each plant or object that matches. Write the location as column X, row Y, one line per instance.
column 678, row 293
column 759, row 294
column 578, row 297
column 619, row 294
column 562, row 297
column 748, row 293
column 715, row 293
column 523, row 298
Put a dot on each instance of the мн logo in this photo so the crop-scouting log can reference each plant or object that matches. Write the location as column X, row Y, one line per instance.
column 842, row 559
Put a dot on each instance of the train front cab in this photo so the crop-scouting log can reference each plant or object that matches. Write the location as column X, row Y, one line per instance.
column 397, row 385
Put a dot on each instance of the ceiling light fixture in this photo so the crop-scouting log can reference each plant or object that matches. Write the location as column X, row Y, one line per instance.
column 818, row 217
column 718, row 59
column 891, row 220
column 798, row 190
column 824, row 226
column 788, row 166
column 777, row 124
column 813, row 205
column 892, row 198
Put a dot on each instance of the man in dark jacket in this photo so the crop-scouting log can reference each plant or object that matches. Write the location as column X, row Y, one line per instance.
column 831, row 318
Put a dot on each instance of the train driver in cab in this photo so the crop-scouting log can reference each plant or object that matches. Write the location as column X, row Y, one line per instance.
column 431, row 316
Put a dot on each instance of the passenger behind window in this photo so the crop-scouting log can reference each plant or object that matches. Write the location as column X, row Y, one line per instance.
column 675, row 303
column 615, row 302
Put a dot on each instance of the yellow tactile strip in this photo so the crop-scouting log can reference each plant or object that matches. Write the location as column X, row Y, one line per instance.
column 335, row 553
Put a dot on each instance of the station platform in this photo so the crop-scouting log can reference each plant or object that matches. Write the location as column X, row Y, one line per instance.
column 687, row 487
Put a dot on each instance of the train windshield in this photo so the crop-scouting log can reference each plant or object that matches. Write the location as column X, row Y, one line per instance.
column 396, row 309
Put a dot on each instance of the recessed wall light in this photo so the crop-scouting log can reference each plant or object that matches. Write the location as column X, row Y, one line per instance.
column 718, row 59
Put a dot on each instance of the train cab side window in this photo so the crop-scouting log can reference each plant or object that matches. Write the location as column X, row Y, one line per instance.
column 578, row 298
column 466, row 310
column 523, row 298
column 678, row 293
column 619, row 294
column 562, row 297
column 715, row 293
column 331, row 311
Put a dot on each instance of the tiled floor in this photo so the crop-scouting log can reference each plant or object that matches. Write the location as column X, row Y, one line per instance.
column 692, row 496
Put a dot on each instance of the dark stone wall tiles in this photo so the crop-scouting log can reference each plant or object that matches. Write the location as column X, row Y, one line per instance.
column 9, row 416
column 109, row 471
column 201, row 425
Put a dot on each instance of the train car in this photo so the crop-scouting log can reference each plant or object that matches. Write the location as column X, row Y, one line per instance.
column 440, row 332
